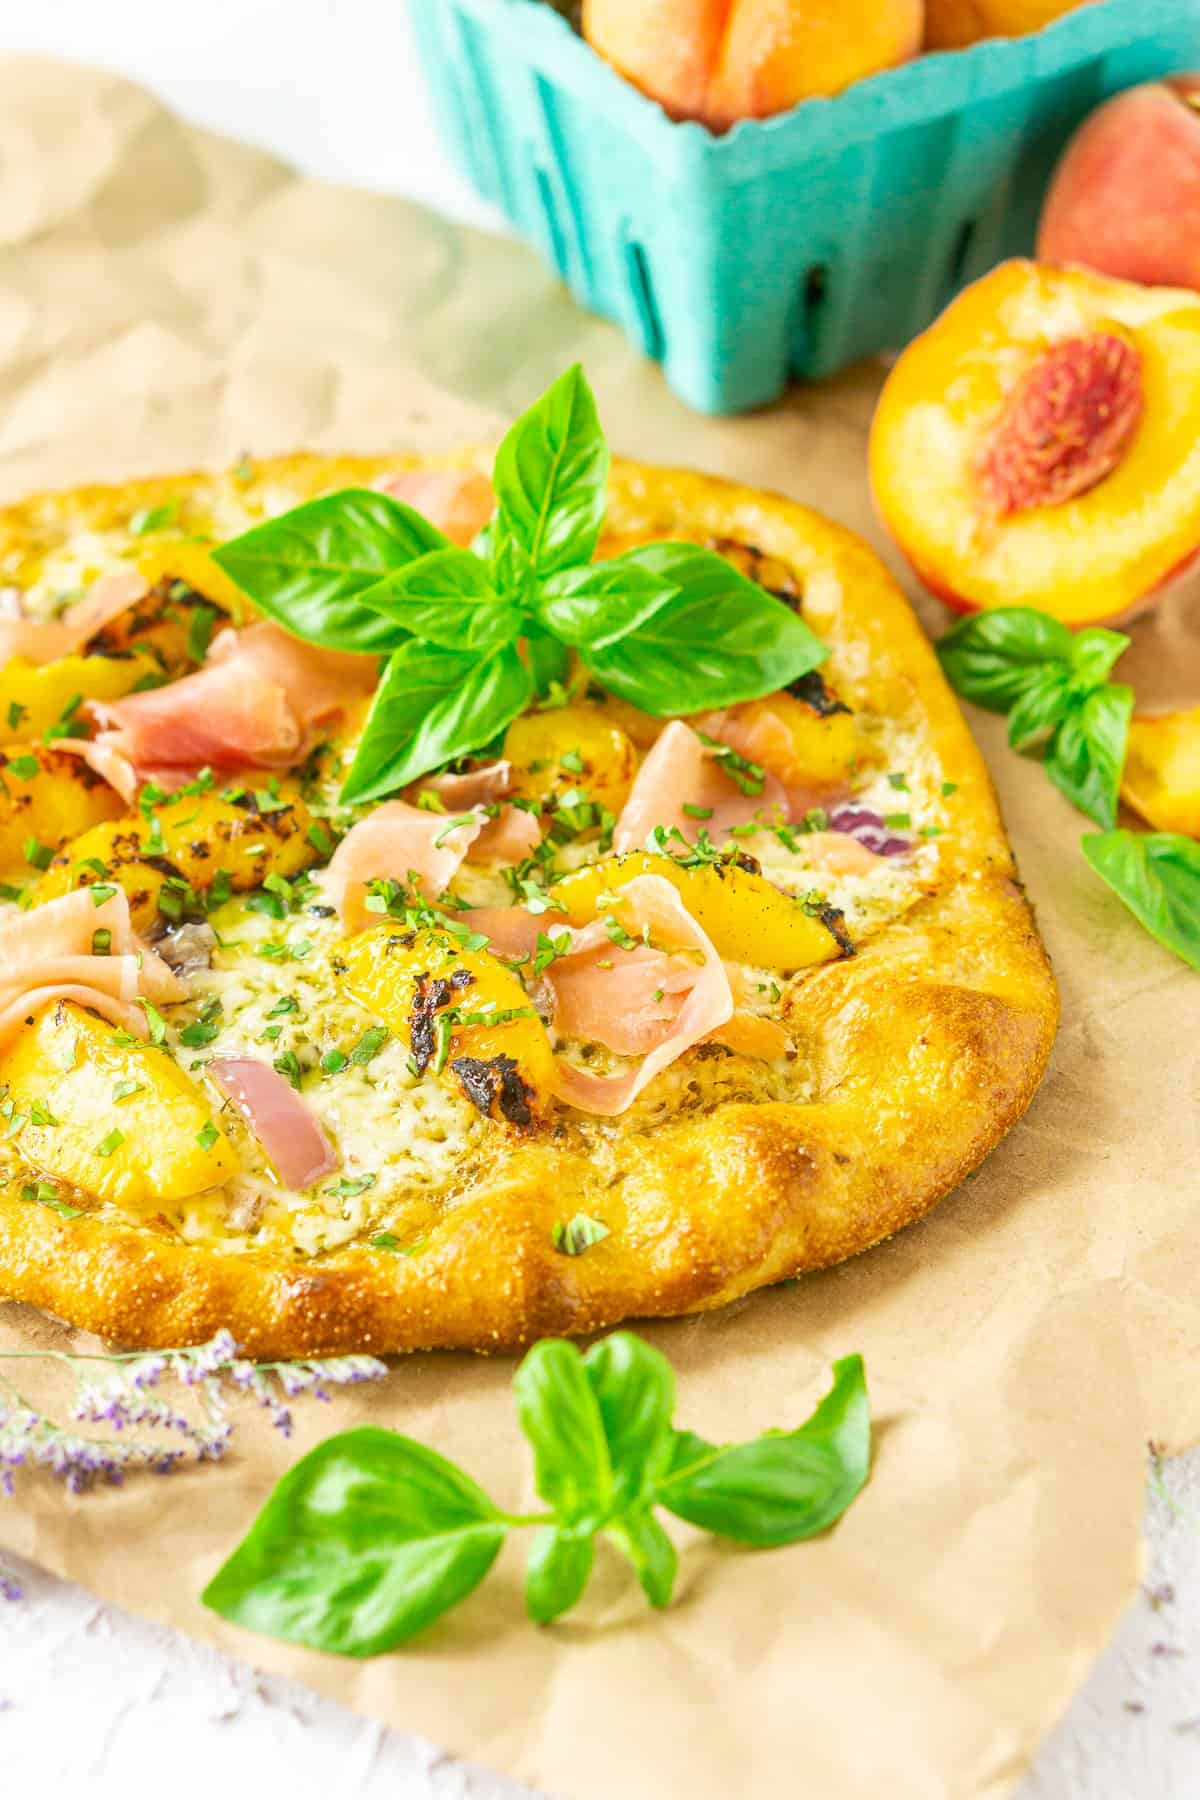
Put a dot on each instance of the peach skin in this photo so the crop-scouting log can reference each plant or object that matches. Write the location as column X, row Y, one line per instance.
column 1039, row 445
column 1125, row 198
column 723, row 60
column 950, row 24
column 1161, row 777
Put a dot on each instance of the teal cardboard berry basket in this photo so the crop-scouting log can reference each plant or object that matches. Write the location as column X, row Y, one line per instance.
column 787, row 246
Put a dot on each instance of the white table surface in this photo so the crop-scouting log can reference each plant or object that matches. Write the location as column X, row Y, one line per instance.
column 145, row 1711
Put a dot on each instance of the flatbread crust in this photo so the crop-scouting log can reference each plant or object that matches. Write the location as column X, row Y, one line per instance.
column 923, row 1051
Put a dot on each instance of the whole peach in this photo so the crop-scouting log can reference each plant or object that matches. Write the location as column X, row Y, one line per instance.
column 724, row 60
column 1125, row 198
column 950, row 24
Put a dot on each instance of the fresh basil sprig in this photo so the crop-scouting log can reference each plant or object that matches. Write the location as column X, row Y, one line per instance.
column 672, row 628
column 1053, row 684
column 371, row 1536
column 1157, row 875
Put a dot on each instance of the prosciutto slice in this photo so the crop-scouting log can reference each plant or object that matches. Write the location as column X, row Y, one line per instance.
column 596, row 997
column 254, row 704
column 397, row 842
column 43, row 641
column 48, row 954
column 459, row 504
column 681, row 771
column 278, row 1117
column 507, row 838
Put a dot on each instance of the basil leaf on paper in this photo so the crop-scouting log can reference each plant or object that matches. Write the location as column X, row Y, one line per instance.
column 561, row 1417
column 551, row 478
column 368, row 1539
column 1157, row 875
column 785, row 1485
column 719, row 640
column 556, row 1572
column 446, row 598
column 634, row 1388
column 1086, row 754
column 431, row 706
column 308, row 568
column 991, row 656
column 1040, row 706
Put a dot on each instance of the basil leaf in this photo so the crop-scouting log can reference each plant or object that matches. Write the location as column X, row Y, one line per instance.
column 600, row 602
column 557, row 1572
column 990, row 657
column 1157, row 875
column 1093, row 653
column 719, row 640
column 548, row 662
column 368, row 1539
column 561, row 1417
column 446, row 598
column 1040, row 706
column 432, row 705
column 635, row 1390
column 307, row 568
column 642, row 1539
column 783, row 1486
column 1087, row 751
column 551, row 478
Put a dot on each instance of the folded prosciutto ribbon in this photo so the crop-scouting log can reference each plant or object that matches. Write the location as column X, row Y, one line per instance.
column 52, row 953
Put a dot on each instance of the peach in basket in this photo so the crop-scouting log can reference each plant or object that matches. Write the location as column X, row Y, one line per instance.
column 1161, row 777
column 953, row 23
column 724, row 60
column 1039, row 445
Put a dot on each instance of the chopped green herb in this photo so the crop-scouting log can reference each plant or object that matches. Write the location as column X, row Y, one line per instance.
column 11, row 893
column 369, row 1045
column 948, row 788
column 154, row 518
column 350, row 1185
column 40, row 1114
column 287, row 1003
column 200, row 630
column 333, row 1060
column 24, row 767
column 318, row 837
column 572, row 761
column 16, row 712
column 155, row 1021
column 453, row 825
column 126, row 1087
column 100, row 893
column 899, row 782
column 383, row 1240
column 102, row 941
column 578, row 1234
column 207, row 1135
column 897, row 821
column 37, row 855
column 288, row 1065
column 112, row 1142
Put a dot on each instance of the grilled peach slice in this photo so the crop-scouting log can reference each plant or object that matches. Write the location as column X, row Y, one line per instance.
column 1039, row 445
column 47, row 797
column 188, row 843
column 460, row 1012
column 746, row 918
column 112, row 1116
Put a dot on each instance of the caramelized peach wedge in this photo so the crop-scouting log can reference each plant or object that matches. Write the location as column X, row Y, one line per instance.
column 1039, row 445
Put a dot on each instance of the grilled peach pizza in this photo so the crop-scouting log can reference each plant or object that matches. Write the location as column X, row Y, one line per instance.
column 441, row 909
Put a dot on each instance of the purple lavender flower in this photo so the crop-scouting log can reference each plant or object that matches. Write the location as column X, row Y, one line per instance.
column 124, row 1400
column 869, row 828
column 10, row 1589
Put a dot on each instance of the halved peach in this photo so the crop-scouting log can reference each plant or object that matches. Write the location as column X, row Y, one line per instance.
column 1161, row 777
column 1039, row 445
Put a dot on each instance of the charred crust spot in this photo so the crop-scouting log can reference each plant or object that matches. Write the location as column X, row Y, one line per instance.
column 200, row 850
column 812, row 690
column 430, row 995
column 495, row 1080
column 339, row 965
column 711, row 1052
column 319, row 911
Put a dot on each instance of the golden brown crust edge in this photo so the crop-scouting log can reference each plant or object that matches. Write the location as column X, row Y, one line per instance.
column 927, row 1047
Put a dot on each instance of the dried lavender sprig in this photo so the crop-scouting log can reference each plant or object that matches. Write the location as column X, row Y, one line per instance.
column 10, row 1587
column 125, row 1400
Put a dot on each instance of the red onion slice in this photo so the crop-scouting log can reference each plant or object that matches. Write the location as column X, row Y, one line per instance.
column 278, row 1117
column 869, row 829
